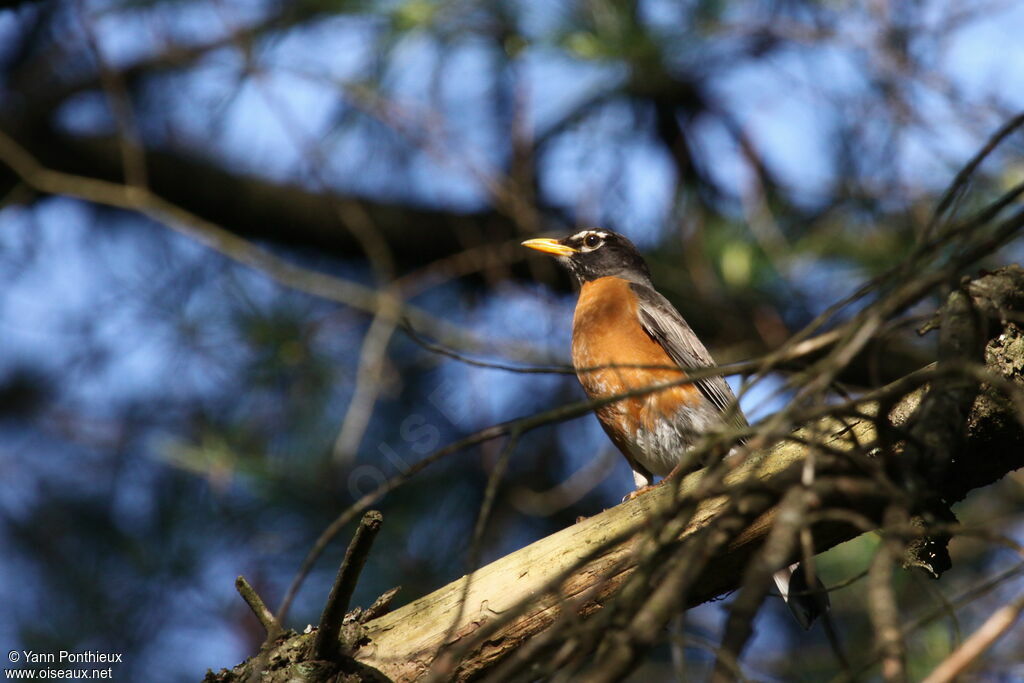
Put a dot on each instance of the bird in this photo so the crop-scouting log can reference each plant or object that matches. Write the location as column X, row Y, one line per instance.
column 627, row 336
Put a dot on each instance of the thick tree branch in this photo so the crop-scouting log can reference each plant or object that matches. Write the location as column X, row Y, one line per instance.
column 260, row 209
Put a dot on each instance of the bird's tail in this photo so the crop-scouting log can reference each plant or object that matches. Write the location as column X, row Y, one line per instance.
column 806, row 603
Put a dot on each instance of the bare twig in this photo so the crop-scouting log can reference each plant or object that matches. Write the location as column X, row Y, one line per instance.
column 992, row 630
column 966, row 598
column 326, row 646
column 371, row 365
column 380, row 606
column 956, row 188
column 882, row 606
column 218, row 238
column 777, row 551
column 258, row 607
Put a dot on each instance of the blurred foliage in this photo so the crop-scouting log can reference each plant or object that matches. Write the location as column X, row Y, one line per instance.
column 169, row 417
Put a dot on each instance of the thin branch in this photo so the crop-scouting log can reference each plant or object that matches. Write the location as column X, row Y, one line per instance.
column 380, row 606
column 963, row 176
column 462, row 358
column 132, row 158
column 326, row 645
column 371, row 363
column 882, row 605
column 221, row 240
column 964, row 599
column 258, row 607
column 778, row 549
column 994, row 628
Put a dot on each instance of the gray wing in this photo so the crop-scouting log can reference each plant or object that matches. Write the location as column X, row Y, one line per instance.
column 662, row 322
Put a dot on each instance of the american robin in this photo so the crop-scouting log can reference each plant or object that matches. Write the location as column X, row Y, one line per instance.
column 626, row 336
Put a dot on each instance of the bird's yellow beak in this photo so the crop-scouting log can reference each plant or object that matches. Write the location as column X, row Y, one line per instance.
column 550, row 246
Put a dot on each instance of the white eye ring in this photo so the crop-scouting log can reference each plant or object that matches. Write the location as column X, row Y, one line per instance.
column 590, row 239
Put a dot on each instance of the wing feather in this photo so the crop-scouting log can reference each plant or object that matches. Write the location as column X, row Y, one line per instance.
column 666, row 326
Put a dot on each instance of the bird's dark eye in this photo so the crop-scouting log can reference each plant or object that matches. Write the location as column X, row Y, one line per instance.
column 591, row 241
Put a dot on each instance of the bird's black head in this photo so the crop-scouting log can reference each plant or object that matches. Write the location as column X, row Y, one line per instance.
column 595, row 253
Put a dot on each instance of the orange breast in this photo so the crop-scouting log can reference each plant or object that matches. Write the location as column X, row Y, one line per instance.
column 608, row 343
